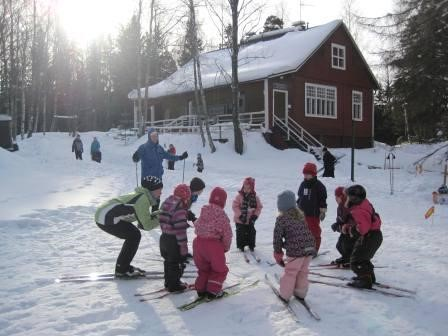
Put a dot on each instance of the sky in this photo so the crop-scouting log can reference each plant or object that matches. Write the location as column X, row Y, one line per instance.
column 82, row 22
column 104, row 17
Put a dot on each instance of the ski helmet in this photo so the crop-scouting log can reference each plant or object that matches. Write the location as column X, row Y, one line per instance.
column 356, row 193
column 152, row 183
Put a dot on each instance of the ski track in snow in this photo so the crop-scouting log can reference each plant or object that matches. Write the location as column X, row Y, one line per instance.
column 47, row 204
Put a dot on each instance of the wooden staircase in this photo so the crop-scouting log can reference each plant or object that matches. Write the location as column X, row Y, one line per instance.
column 296, row 136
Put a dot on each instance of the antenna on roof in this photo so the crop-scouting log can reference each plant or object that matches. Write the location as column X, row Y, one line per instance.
column 301, row 4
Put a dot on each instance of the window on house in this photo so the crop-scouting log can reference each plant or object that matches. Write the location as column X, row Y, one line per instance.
column 320, row 101
column 337, row 56
column 357, row 105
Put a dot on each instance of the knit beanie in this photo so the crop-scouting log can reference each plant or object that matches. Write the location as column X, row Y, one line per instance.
column 251, row 182
column 218, row 196
column 286, row 200
column 196, row 184
column 152, row 183
column 151, row 130
column 183, row 192
column 339, row 192
column 310, row 169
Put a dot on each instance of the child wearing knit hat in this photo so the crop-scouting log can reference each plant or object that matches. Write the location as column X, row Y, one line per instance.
column 173, row 241
column 246, row 209
column 312, row 200
column 213, row 239
column 292, row 233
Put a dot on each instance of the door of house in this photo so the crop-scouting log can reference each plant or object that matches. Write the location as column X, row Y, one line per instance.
column 280, row 103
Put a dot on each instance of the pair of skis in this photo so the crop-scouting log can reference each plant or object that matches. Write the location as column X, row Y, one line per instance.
column 252, row 254
column 380, row 288
column 228, row 291
column 292, row 302
column 93, row 277
column 161, row 293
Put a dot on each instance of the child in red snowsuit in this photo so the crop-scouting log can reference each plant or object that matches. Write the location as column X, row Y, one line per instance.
column 246, row 209
column 312, row 200
column 213, row 239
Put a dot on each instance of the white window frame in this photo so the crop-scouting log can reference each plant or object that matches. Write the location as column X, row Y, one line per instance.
column 355, row 104
column 323, row 103
column 338, row 57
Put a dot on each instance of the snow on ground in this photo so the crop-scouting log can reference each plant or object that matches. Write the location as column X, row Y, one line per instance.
column 48, row 199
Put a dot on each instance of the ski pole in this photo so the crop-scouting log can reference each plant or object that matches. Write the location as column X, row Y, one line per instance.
column 136, row 174
column 183, row 172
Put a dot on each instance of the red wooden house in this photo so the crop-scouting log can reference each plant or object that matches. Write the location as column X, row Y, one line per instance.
column 312, row 84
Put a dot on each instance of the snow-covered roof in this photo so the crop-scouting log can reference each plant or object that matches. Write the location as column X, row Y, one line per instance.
column 5, row 117
column 256, row 61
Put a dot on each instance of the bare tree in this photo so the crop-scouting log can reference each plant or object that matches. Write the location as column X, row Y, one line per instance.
column 349, row 16
column 198, row 75
column 139, row 67
column 245, row 16
column 148, row 63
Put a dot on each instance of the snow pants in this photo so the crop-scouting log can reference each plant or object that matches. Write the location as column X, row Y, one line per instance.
column 170, row 165
column 245, row 236
column 96, row 156
column 345, row 246
column 210, row 259
column 363, row 251
column 78, row 155
column 174, row 263
column 131, row 235
column 328, row 171
column 314, row 226
column 295, row 279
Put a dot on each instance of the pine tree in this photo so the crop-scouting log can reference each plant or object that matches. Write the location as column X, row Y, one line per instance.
column 421, row 63
column 272, row 23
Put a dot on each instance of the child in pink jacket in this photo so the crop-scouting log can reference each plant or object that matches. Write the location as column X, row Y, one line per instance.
column 213, row 239
column 246, row 209
column 292, row 233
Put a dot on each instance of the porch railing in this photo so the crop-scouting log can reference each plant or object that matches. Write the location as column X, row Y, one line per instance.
column 247, row 119
column 298, row 134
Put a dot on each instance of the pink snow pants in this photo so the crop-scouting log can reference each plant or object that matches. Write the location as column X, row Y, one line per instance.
column 314, row 226
column 295, row 279
column 210, row 259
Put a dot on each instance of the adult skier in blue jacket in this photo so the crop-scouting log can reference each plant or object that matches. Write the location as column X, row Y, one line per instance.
column 152, row 154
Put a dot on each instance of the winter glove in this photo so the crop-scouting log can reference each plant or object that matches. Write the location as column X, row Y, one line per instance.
column 242, row 219
column 322, row 214
column 336, row 227
column 252, row 219
column 135, row 157
column 184, row 156
column 191, row 216
column 346, row 229
column 184, row 260
column 278, row 256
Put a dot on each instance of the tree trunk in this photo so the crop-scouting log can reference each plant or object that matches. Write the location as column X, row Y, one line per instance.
column 44, row 114
column 197, row 102
column 204, row 107
column 238, row 136
column 139, row 69
column 148, row 64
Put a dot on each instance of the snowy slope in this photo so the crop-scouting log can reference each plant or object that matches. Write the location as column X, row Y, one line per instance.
column 47, row 204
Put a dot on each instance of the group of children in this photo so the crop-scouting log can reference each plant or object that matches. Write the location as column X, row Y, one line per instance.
column 297, row 230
